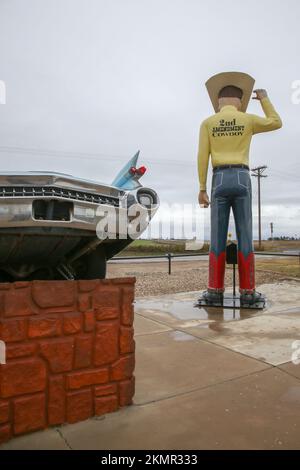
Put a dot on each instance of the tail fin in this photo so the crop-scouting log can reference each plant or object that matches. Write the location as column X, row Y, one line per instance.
column 128, row 177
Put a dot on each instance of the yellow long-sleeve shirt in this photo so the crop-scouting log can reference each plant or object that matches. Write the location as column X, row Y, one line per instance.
column 226, row 136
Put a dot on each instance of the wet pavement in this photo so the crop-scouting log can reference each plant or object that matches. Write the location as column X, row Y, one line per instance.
column 206, row 378
column 266, row 335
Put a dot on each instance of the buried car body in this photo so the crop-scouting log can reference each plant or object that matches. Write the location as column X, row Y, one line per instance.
column 49, row 222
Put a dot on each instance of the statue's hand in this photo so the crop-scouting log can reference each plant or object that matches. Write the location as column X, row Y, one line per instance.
column 260, row 94
column 203, row 199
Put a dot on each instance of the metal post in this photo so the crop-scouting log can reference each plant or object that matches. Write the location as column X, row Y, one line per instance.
column 259, row 214
column 234, row 279
column 169, row 256
column 272, row 227
column 257, row 172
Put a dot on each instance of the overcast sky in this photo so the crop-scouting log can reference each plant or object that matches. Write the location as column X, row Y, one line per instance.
column 88, row 82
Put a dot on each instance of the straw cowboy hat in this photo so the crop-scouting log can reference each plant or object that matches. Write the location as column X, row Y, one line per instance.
column 241, row 80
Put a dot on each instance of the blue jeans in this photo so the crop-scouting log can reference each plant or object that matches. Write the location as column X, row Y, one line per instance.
column 231, row 188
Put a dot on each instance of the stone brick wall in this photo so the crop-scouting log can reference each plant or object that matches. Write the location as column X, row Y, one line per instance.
column 69, row 352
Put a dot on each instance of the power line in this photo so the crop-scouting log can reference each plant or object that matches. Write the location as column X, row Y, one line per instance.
column 162, row 161
column 284, row 173
column 59, row 153
column 87, row 155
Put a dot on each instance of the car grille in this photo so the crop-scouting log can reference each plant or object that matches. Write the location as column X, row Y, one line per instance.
column 52, row 191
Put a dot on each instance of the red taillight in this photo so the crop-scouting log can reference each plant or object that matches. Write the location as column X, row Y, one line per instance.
column 138, row 171
column 141, row 171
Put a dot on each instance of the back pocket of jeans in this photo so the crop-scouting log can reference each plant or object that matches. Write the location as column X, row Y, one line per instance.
column 217, row 180
column 244, row 179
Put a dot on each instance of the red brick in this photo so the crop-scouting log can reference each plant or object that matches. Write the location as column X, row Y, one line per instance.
column 58, row 353
column 106, row 347
column 107, row 296
column 127, row 305
column 108, row 389
column 85, row 378
column 83, row 351
column 56, row 400
column 107, row 313
column 29, row 413
column 126, row 391
column 89, row 321
column 12, row 330
column 103, row 283
column 2, row 301
column 123, row 368
column 87, row 286
column 23, row 376
column 84, row 302
column 90, row 377
column 5, row 433
column 4, row 411
column 124, row 280
column 72, row 323
column 43, row 327
column 106, row 404
column 17, row 302
column 14, row 351
column 79, row 405
column 127, row 344
column 20, row 284
column 49, row 294
column 5, row 285
column 128, row 294
column 127, row 314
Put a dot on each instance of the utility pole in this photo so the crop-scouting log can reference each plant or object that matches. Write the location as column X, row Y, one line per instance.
column 258, row 173
column 272, row 226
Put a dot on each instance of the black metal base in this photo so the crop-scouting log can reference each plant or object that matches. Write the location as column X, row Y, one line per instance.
column 232, row 301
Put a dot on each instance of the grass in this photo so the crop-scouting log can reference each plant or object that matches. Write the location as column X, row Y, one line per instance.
column 288, row 266
column 158, row 247
column 278, row 245
column 154, row 247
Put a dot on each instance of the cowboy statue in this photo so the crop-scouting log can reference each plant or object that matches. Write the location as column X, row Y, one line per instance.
column 226, row 137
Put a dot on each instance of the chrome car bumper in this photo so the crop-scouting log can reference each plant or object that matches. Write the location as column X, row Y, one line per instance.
column 55, row 200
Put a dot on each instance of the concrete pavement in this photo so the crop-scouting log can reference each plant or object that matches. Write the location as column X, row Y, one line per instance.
column 205, row 379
